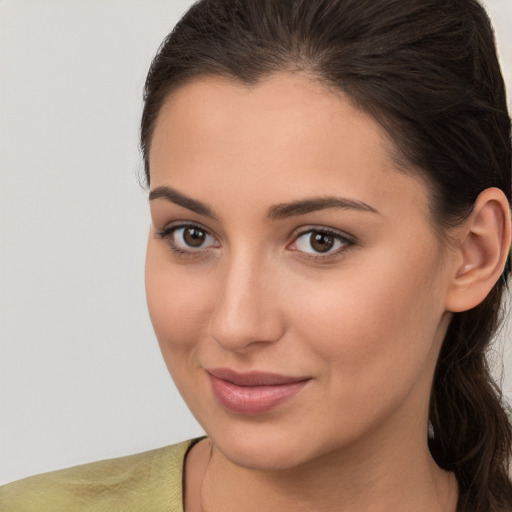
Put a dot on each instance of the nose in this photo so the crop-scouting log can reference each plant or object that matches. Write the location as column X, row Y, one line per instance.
column 247, row 312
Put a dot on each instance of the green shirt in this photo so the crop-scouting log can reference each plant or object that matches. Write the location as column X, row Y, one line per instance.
column 146, row 482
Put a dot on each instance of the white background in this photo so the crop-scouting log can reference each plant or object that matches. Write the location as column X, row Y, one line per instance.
column 81, row 375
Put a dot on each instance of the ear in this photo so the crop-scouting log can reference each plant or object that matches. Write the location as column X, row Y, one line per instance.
column 483, row 244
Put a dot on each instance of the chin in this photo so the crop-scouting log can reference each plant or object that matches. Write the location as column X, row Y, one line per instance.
column 263, row 448
column 265, row 456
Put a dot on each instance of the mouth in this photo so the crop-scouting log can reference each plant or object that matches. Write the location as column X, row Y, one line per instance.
column 253, row 392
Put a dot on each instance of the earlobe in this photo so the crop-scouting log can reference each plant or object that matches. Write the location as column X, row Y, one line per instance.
column 482, row 250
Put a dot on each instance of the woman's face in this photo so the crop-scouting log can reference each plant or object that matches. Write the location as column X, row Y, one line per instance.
column 294, row 279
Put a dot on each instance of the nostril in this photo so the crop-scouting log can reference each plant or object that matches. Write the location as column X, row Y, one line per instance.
column 236, row 329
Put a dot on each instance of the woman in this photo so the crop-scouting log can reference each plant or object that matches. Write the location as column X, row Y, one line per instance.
column 329, row 185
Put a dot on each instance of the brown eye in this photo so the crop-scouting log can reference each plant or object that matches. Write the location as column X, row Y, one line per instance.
column 189, row 239
column 194, row 237
column 321, row 242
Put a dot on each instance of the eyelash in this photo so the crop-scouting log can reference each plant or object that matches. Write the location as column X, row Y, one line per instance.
column 168, row 232
column 346, row 241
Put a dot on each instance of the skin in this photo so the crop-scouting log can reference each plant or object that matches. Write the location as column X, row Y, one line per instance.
column 364, row 323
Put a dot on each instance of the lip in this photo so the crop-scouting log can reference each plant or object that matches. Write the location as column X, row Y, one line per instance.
column 253, row 392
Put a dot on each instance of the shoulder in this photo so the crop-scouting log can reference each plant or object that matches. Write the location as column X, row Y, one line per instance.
column 145, row 481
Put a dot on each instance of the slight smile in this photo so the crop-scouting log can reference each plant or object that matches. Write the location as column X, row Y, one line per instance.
column 254, row 392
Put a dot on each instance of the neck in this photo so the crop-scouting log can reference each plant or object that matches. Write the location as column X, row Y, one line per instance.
column 357, row 478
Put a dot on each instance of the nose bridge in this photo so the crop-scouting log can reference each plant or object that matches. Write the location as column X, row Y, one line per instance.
column 246, row 311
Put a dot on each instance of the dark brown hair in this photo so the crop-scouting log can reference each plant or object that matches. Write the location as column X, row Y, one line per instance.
column 427, row 71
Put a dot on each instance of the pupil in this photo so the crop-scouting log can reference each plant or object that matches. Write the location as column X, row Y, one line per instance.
column 322, row 242
column 194, row 237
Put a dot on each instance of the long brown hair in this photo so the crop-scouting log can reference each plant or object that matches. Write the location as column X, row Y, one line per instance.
column 427, row 71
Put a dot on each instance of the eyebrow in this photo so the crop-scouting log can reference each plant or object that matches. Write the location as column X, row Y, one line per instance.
column 182, row 200
column 285, row 210
column 276, row 212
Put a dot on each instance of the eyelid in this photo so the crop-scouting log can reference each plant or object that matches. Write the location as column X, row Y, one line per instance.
column 296, row 233
column 177, row 224
column 167, row 232
column 348, row 242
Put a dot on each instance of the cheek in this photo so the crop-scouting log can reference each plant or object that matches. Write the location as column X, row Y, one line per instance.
column 178, row 303
column 374, row 324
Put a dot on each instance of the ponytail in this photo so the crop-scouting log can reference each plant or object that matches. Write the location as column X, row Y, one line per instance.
column 472, row 434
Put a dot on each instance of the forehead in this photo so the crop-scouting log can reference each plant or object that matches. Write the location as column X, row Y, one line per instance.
column 297, row 105
column 287, row 134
